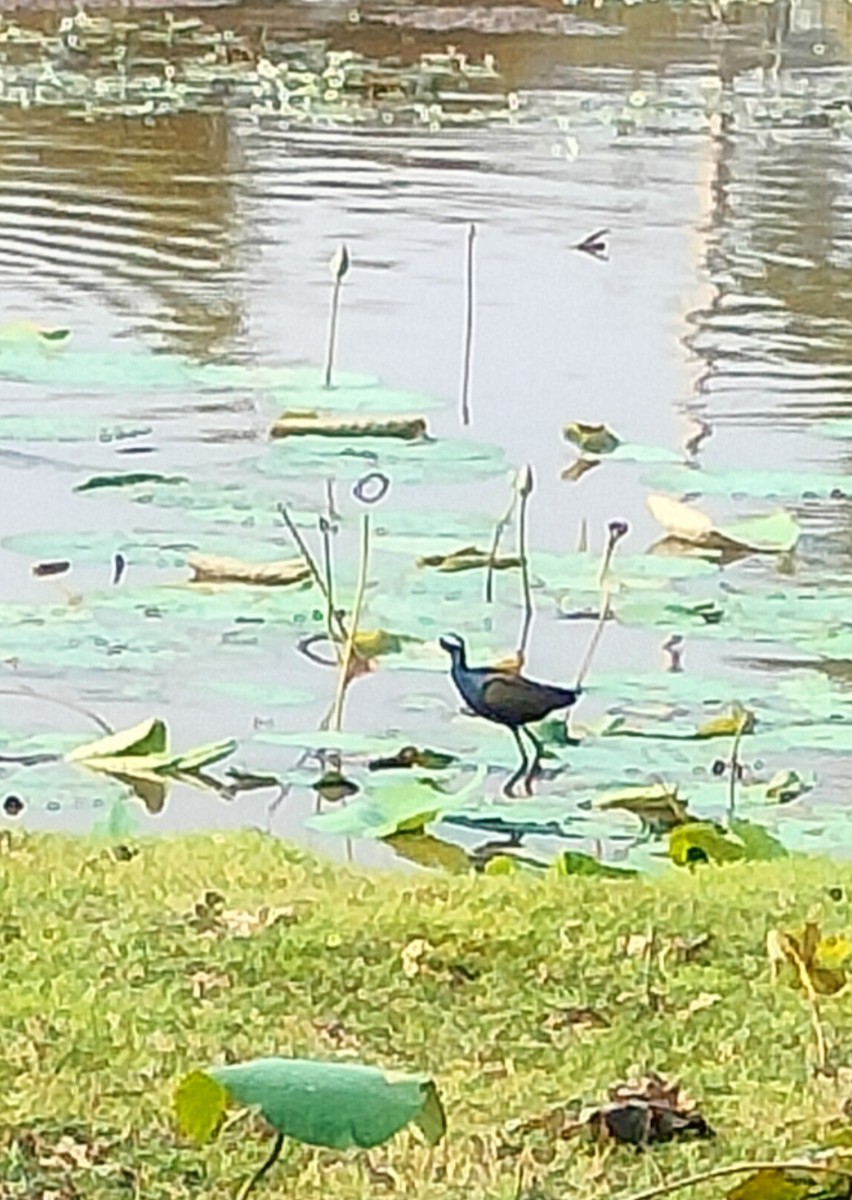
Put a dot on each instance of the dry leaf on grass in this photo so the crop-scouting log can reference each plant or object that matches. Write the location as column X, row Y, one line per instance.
column 639, row 1113
column 822, row 959
column 210, row 918
column 646, row 1111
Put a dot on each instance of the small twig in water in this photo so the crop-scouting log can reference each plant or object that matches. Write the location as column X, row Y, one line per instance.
column 468, row 328
column 349, row 646
column 676, row 1185
column 32, row 694
column 339, row 265
column 262, row 1170
column 524, row 485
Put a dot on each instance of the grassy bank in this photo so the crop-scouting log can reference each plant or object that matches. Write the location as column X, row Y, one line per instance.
column 114, row 986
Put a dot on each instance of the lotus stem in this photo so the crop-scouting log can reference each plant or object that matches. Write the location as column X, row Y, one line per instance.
column 734, row 767
column 325, row 532
column 349, row 645
column 339, row 266
column 468, row 328
column 499, row 529
column 304, row 550
column 617, row 530
column 262, row 1170
column 333, row 514
column 332, row 333
column 524, row 487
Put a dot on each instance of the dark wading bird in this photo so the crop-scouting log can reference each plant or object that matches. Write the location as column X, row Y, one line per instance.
column 507, row 699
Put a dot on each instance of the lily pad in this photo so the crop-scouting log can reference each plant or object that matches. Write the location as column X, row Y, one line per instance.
column 592, row 439
column 572, row 862
column 769, row 485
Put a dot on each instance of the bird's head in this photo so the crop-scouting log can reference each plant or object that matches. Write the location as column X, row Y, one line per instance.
column 454, row 646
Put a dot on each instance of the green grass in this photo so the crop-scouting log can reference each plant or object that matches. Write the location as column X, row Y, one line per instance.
column 99, row 1017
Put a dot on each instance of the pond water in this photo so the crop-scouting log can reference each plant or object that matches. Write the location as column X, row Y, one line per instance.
column 173, row 186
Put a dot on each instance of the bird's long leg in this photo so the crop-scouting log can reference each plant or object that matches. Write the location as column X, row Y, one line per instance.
column 509, row 787
column 535, row 766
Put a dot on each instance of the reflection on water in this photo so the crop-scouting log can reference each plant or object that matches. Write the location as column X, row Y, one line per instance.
column 139, row 216
column 713, row 143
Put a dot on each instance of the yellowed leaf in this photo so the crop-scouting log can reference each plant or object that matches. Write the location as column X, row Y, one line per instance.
column 679, row 519
column 771, row 1185
column 728, row 724
column 219, row 568
column 411, row 956
column 325, row 424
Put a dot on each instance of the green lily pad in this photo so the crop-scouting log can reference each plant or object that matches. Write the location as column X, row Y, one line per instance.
column 405, row 463
column 773, row 533
column 591, row 439
column 701, row 842
column 143, row 753
column 572, row 862
column 128, row 479
column 758, row 843
column 395, row 803
column 769, row 485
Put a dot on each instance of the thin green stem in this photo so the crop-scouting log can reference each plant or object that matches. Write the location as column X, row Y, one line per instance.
column 349, row 645
column 526, row 590
column 676, row 1185
column 325, row 531
column 734, row 766
column 311, row 562
column 499, row 529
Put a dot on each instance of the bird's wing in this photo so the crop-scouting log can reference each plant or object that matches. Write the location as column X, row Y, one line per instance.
column 512, row 699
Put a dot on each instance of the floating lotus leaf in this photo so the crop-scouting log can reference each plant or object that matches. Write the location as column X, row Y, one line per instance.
column 405, row 463
column 571, row 862
column 769, row 485
column 592, row 439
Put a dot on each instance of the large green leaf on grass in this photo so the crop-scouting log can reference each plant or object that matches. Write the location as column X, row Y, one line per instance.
column 338, row 1105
